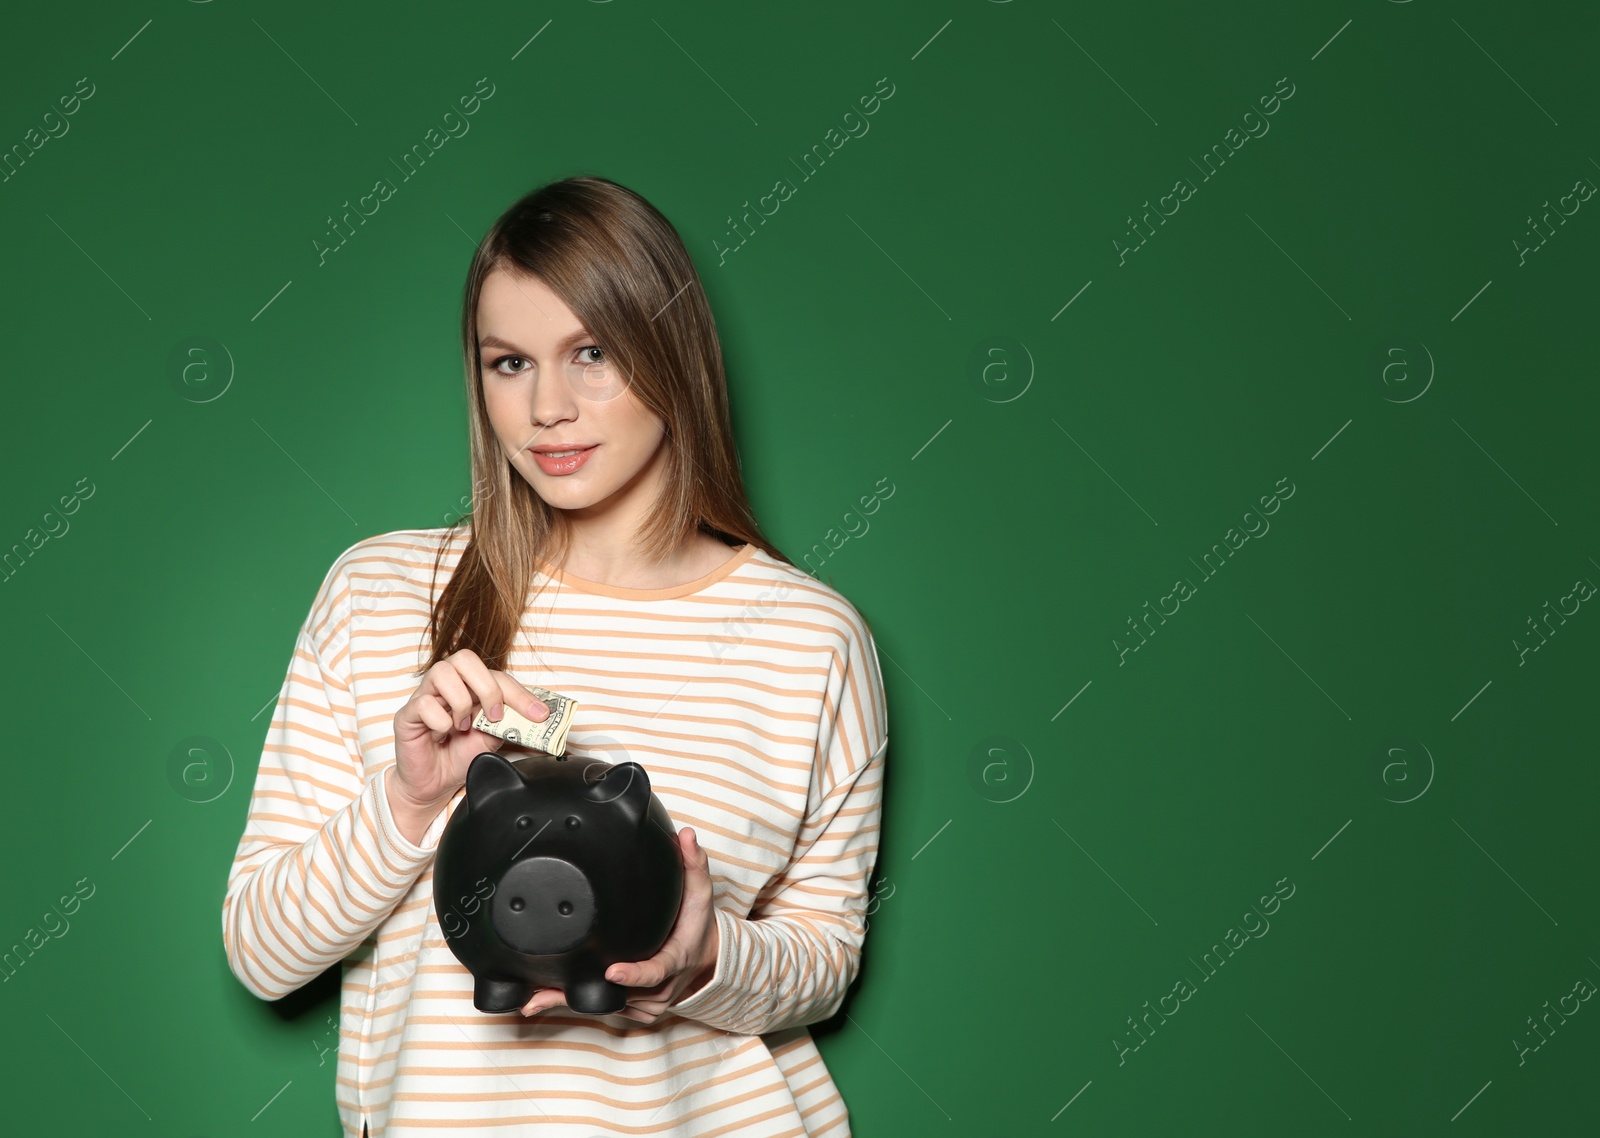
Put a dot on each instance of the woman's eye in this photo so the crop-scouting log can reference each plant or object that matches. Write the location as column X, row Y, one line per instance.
column 584, row 357
column 503, row 359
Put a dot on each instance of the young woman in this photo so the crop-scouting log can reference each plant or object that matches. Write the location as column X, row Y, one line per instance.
column 632, row 577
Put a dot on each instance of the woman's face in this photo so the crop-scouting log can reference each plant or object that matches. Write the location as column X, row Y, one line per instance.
column 548, row 385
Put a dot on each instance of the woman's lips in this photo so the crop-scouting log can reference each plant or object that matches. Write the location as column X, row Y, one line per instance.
column 564, row 465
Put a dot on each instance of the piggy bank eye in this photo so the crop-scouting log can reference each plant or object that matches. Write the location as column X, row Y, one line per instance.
column 572, row 822
column 524, row 822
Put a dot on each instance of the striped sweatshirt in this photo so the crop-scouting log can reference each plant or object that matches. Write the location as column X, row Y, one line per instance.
column 753, row 698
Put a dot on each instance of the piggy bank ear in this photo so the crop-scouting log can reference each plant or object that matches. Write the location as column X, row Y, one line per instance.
column 488, row 775
column 625, row 784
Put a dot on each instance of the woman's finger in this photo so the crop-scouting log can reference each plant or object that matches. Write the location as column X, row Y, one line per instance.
column 515, row 695
column 485, row 688
column 657, row 993
column 697, row 875
column 654, row 1007
column 544, row 999
column 697, row 861
column 647, row 973
column 452, row 690
column 435, row 714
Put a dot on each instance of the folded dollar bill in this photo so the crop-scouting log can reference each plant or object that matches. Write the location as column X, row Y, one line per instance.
column 550, row 736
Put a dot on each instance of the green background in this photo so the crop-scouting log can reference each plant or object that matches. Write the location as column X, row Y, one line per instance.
column 1342, row 707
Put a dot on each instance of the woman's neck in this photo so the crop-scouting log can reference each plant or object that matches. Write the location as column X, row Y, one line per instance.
column 699, row 555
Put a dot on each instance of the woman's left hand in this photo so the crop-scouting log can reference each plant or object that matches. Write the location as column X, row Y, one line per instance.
column 687, row 959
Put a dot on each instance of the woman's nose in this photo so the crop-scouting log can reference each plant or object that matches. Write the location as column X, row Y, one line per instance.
column 551, row 399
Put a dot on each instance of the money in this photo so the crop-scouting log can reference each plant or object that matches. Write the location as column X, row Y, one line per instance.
column 550, row 736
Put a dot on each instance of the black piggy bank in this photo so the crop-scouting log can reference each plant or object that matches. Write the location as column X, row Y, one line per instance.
column 550, row 871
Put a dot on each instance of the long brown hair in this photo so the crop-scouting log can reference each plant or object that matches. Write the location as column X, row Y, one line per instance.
column 622, row 269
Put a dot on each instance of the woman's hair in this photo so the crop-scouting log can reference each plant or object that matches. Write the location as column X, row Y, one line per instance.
column 622, row 269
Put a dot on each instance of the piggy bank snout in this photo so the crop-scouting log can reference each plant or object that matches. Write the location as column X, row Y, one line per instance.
column 543, row 906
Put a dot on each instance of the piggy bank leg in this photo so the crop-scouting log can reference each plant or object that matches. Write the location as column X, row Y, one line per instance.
column 490, row 995
column 595, row 995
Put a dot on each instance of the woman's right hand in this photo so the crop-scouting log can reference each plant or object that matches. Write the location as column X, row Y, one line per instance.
column 434, row 740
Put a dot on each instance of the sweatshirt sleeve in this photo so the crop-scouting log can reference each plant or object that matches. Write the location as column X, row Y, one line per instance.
column 321, row 862
column 791, row 959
